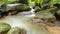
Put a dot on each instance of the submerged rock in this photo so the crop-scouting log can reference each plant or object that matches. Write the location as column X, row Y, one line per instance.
column 16, row 30
column 4, row 28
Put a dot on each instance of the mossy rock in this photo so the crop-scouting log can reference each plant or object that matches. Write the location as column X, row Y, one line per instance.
column 4, row 27
column 23, row 7
column 44, row 14
column 18, row 6
column 45, row 17
column 16, row 30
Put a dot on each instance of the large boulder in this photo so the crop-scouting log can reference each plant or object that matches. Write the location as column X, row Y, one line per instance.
column 44, row 17
column 23, row 7
column 18, row 6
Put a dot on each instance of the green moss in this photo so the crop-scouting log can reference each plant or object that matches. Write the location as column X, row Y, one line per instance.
column 16, row 30
column 22, row 7
column 4, row 27
column 45, row 14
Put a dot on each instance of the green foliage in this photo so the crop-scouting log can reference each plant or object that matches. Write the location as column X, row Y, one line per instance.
column 39, row 1
column 58, row 12
column 32, row 0
column 55, row 1
column 37, row 8
column 9, row 1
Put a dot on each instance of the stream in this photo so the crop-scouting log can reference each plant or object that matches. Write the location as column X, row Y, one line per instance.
column 21, row 20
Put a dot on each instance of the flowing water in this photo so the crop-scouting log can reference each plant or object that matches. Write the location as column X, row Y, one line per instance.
column 20, row 20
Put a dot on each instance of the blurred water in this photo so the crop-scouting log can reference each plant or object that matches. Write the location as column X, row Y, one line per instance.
column 20, row 20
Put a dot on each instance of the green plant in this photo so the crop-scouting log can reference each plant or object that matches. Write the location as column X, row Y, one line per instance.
column 55, row 1
column 9, row 1
column 39, row 1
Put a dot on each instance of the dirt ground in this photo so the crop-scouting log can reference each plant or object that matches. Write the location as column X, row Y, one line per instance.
column 53, row 30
